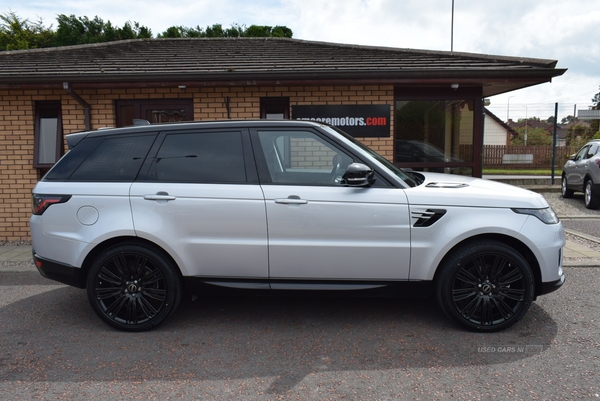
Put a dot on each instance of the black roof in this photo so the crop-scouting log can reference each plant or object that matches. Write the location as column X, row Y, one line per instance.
column 259, row 59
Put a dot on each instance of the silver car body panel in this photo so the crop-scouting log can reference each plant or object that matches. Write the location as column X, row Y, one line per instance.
column 211, row 230
column 340, row 232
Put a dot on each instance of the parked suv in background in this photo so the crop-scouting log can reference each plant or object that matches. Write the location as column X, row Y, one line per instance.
column 139, row 215
column 581, row 173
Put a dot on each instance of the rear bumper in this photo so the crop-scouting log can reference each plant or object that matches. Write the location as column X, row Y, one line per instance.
column 62, row 273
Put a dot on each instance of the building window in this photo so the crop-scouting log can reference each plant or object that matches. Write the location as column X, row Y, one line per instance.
column 154, row 110
column 48, row 146
column 438, row 133
column 275, row 108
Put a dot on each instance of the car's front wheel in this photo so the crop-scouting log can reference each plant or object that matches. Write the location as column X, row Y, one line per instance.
column 133, row 287
column 485, row 286
column 592, row 201
column 564, row 189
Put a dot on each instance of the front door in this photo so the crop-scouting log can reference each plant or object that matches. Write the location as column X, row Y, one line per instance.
column 321, row 230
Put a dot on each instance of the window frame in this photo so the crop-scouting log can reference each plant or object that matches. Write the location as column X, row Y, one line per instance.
column 282, row 102
column 145, row 174
column 40, row 107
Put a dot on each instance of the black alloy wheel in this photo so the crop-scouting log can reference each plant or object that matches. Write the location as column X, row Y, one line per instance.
column 133, row 288
column 485, row 286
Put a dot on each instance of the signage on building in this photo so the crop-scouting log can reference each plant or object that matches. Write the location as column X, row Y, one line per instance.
column 363, row 121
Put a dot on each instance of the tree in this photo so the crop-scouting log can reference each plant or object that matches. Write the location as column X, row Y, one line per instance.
column 74, row 30
column 578, row 134
column 567, row 120
column 235, row 31
column 535, row 137
column 18, row 34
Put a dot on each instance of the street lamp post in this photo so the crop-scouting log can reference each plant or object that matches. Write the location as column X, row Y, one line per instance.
column 508, row 108
column 525, row 125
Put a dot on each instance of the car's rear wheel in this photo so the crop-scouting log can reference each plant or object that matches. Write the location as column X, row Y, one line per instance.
column 564, row 189
column 485, row 286
column 133, row 287
column 592, row 201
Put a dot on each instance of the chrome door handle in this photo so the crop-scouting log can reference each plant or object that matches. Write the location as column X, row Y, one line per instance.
column 291, row 201
column 160, row 196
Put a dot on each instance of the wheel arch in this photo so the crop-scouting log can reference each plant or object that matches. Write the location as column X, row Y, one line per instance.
column 109, row 243
column 512, row 242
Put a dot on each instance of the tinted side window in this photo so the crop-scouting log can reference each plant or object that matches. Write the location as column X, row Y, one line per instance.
column 72, row 160
column 215, row 157
column 115, row 159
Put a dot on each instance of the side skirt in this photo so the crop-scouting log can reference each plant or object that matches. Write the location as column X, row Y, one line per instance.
column 310, row 288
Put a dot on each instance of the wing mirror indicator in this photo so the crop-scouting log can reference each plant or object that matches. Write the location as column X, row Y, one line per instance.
column 359, row 175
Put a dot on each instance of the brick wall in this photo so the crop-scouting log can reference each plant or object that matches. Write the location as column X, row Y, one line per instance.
column 17, row 114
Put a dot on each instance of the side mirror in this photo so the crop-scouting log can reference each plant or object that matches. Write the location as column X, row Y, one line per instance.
column 359, row 175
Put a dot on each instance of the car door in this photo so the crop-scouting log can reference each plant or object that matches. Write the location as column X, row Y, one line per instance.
column 321, row 231
column 575, row 168
column 200, row 200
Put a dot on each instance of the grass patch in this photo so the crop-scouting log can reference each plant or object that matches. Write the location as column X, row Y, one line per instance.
column 490, row 171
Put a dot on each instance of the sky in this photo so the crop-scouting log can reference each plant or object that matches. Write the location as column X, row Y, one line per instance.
column 566, row 31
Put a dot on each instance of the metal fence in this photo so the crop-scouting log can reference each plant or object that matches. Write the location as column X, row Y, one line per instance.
column 499, row 153
column 525, row 157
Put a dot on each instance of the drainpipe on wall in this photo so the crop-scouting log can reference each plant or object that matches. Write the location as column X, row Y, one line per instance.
column 86, row 107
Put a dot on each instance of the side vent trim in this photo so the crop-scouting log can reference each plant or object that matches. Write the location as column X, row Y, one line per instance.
column 428, row 217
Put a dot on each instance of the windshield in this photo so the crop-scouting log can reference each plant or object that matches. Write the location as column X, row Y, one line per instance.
column 397, row 171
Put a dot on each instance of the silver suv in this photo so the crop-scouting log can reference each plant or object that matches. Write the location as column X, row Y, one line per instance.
column 141, row 215
column 582, row 174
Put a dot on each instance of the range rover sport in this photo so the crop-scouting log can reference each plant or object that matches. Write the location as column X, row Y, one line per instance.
column 140, row 215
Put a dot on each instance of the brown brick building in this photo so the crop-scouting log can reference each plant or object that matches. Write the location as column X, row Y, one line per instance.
column 420, row 109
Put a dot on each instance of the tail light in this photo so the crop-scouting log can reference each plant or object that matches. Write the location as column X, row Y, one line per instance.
column 597, row 162
column 39, row 203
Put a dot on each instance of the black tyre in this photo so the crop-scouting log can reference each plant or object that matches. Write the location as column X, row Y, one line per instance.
column 565, row 191
column 592, row 201
column 133, row 287
column 485, row 286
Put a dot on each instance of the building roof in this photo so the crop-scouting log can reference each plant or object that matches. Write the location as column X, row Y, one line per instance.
column 246, row 61
column 504, row 125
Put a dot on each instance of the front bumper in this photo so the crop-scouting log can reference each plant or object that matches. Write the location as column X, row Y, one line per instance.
column 552, row 286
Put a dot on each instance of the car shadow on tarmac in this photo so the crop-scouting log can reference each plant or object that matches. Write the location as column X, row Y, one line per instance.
column 53, row 335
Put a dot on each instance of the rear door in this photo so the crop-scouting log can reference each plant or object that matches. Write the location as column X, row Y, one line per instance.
column 200, row 200
column 319, row 229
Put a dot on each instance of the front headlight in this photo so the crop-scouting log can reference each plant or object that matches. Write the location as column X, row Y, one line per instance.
column 546, row 215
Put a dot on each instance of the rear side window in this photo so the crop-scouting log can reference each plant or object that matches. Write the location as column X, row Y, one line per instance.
column 211, row 157
column 115, row 159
